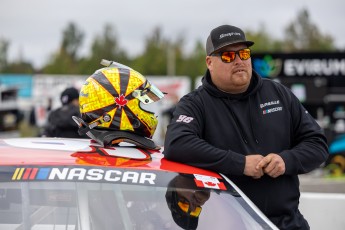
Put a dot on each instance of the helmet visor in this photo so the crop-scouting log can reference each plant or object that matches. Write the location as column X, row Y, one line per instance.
column 149, row 94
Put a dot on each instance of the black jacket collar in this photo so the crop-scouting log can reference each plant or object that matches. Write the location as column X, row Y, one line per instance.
column 255, row 84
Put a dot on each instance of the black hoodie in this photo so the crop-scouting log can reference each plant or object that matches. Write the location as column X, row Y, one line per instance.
column 215, row 130
column 61, row 124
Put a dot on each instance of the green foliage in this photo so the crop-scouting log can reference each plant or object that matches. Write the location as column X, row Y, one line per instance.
column 72, row 40
column 105, row 46
column 4, row 44
column 195, row 64
column 303, row 35
column 18, row 66
column 264, row 42
column 61, row 63
column 153, row 61
column 65, row 60
column 162, row 56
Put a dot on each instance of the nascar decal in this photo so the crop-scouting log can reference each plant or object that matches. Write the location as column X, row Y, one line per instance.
column 208, row 182
column 82, row 174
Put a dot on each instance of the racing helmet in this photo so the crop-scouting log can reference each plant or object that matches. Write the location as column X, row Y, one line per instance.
column 111, row 109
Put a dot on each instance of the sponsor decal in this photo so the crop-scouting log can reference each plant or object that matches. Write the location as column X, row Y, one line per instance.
column 208, row 182
column 229, row 34
column 314, row 67
column 184, row 118
column 276, row 109
column 269, row 103
column 83, row 174
column 271, row 110
column 267, row 66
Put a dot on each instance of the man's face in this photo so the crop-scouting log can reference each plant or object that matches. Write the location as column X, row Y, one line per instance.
column 233, row 77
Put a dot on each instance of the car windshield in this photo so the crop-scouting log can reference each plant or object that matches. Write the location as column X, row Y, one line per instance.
column 90, row 198
column 173, row 202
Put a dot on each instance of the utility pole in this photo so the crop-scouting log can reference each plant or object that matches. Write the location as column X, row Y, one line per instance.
column 171, row 63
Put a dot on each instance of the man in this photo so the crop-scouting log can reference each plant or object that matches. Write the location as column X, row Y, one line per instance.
column 60, row 122
column 251, row 129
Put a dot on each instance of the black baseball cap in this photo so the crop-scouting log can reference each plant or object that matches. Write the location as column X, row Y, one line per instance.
column 225, row 35
column 68, row 95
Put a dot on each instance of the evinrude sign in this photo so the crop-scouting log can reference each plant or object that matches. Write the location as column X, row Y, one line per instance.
column 300, row 64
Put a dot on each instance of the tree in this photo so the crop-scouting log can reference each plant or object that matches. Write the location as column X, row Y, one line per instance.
column 18, row 66
column 263, row 40
column 4, row 44
column 153, row 61
column 195, row 63
column 303, row 35
column 66, row 60
column 105, row 46
column 72, row 40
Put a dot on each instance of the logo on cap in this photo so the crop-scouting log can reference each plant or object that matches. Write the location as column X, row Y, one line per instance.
column 229, row 34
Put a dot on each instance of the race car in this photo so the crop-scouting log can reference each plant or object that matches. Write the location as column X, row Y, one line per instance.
column 61, row 183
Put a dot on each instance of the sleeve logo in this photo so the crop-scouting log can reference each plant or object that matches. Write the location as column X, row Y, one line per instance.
column 184, row 118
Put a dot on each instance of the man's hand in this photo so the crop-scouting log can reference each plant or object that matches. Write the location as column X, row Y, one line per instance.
column 272, row 164
column 251, row 169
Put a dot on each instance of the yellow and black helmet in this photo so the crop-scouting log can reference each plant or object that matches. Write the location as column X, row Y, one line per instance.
column 110, row 105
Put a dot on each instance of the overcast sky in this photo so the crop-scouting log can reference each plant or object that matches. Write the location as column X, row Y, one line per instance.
column 34, row 27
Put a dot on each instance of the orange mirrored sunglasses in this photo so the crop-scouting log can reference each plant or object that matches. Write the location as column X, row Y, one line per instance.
column 229, row 56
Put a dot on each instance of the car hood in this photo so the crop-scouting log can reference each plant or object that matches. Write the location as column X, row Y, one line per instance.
column 83, row 152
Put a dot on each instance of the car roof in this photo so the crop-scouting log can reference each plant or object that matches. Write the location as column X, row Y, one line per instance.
column 36, row 151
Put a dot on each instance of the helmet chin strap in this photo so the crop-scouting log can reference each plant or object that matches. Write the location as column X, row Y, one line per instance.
column 109, row 138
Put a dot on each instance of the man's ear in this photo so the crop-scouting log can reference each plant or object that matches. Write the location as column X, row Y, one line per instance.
column 208, row 62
